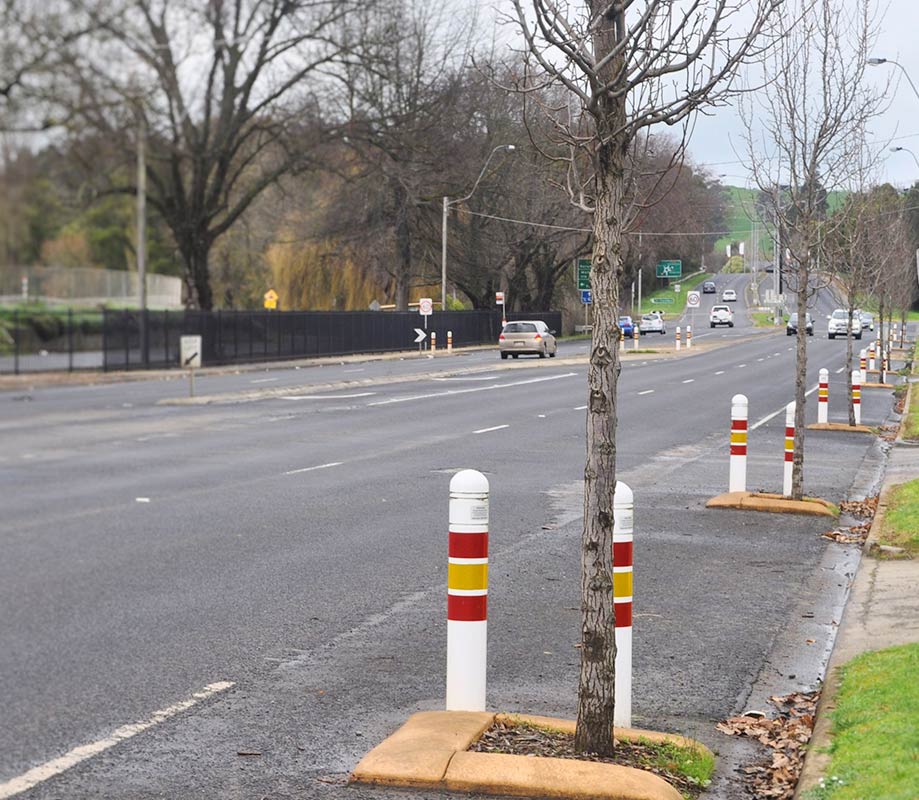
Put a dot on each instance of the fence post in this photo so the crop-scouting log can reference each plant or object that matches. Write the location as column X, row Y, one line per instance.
column 789, row 447
column 857, row 396
column 823, row 397
column 688, row 337
column 449, row 341
column 623, row 520
column 737, row 478
column 467, row 592
column 677, row 337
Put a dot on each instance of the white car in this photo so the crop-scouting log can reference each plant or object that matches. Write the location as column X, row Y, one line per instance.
column 652, row 323
column 721, row 315
column 838, row 324
column 729, row 296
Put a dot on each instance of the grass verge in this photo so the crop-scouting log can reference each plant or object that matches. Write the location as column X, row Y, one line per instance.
column 910, row 429
column 901, row 520
column 873, row 754
column 763, row 319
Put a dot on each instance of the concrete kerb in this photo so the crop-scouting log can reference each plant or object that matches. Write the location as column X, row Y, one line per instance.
column 839, row 426
column 431, row 750
column 772, row 503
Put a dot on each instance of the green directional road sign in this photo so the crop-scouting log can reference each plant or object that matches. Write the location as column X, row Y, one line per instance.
column 669, row 269
column 664, row 300
column 583, row 273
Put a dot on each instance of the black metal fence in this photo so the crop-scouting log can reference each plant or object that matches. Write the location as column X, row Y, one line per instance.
column 134, row 340
column 45, row 340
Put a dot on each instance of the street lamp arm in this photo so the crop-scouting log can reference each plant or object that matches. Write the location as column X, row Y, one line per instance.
column 905, row 150
column 509, row 147
column 876, row 62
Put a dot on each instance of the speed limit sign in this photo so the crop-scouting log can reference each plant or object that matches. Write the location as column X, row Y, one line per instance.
column 693, row 300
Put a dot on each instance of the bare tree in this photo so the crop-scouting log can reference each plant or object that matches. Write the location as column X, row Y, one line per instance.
column 803, row 138
column 627, row 66
column 231, row 94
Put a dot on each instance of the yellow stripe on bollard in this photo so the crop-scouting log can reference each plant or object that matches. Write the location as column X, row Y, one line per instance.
column 738, row 437
column 622, row 584
column 467, row 576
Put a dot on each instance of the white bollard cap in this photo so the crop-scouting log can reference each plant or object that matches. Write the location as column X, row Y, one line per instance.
column 824, row 375
column 739, row 400
column 623, row 495
column 790, row 412
column 470, row 482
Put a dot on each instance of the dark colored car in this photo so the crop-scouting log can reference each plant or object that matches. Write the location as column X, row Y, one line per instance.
column 627, row 327
column 791, row 327
column 709, row 287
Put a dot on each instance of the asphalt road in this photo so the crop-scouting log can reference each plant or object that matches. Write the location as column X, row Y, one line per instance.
column 290, row 554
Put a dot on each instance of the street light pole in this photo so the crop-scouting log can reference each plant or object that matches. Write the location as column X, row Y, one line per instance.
column 877, row 62
column 905, row 150
column 447, row 202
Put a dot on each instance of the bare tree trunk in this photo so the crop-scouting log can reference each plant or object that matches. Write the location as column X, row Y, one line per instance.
column 797, row 471
column 598, row 636
column 849, row 402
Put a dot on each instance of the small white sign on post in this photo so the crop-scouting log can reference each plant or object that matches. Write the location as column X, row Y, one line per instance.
column 425, row 306
column 693, row 300
column 499, row 298
column 190, row 358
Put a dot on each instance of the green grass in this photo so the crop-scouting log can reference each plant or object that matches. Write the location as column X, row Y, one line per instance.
column 901, row 521
column 693, row 763
column 763, row 319
column 875, row 749
column 678, row 306
column 910, row 429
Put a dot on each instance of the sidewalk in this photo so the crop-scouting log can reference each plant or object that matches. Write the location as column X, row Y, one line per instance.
column 882, row 611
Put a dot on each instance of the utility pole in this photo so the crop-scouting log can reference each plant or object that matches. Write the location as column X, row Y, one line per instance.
column 142, row 232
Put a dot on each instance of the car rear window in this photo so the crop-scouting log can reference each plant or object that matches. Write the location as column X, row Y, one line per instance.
column 520, row 327
column 840, row 314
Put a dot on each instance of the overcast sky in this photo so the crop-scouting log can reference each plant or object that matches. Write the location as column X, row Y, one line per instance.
column 718, row 140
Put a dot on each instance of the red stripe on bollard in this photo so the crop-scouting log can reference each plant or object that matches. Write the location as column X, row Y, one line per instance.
column 738, row 449
column 623, row 614
column 738, row 424
column 466, row 608
column 468, row 545
column 622, row 553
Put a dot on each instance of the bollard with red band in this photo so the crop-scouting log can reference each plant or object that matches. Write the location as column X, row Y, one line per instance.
column 433, row 341
column 871, row 352
column 467, row 592
column 636, row 332
column 677, row 337
column 688, row 337
column 621, row 340
column 863, row 360
column 823, row 397
column 789, row 447
column 737, row 478
column 623, row 512
column 449, row 341
column 857, row 395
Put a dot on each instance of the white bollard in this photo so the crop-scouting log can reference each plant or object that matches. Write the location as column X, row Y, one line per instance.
column 863, row 360
column 789, row 447
column 636, row 332
column 623, row 514
column 621, row 340
column 677, row 337
column 823, row 397
column 449, row 341
column 857, row 395
column 433, row 342
column 871, row 352
column 467, row 592
column 737, row 479
column 688, row 337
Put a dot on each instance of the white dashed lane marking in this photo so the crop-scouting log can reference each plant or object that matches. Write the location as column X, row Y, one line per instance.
column 647, row 391
column 489, row 430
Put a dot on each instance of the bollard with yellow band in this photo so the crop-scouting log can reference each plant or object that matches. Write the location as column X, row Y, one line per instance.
column 467, row 592
column 677, row 337
column 823, row 397
column 621, row 340
column 789, row 447
column 449, row 341
column 636, row 332
column 871, row 352
column 433, row 342
column 863, row 360
column 737, row 478
column 688, row 337
column 857, row 395
column 623, row 509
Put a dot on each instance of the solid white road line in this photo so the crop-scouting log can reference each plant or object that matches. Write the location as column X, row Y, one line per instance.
column 327, row 396
column 451, row 392
column 489, row 430
column 646, row 391
column 56, row 766
column 318, row 466
column 469, row 378
column 580, row 408
column 352, row 370
column 265, row 380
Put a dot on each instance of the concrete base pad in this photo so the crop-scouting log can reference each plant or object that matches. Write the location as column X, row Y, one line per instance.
column 839, row 426
column 773, row 503
column 431, row 751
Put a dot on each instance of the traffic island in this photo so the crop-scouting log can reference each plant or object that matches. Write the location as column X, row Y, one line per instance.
column 773, row 503
column 840, row 426
column 877, row 386
column 431, row 751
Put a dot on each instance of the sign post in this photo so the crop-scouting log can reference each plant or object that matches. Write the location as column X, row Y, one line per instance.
column 425, row 307
column 190, row 358
column 693, row 301
column 499, row 301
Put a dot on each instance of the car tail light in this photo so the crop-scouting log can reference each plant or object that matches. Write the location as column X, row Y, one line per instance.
column 538, row 338
column 501, row 338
